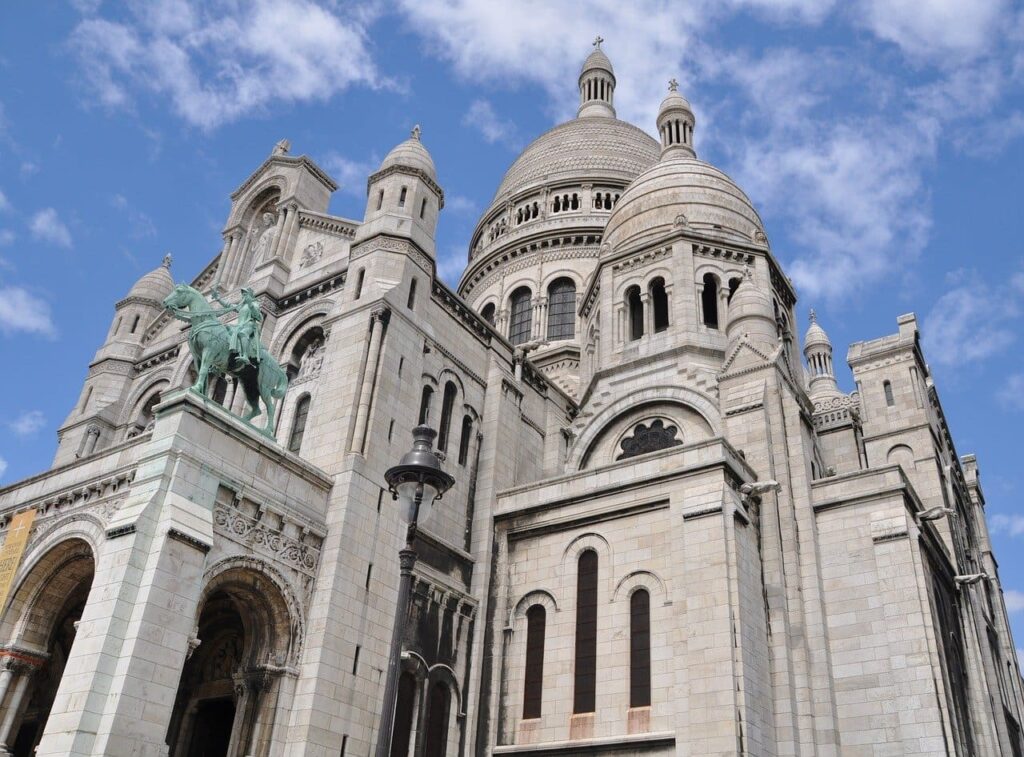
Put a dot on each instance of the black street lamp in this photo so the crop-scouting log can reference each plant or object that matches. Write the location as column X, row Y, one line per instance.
column 415, row 483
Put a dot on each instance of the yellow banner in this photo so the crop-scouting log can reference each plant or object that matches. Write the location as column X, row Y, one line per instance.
column 13, row 549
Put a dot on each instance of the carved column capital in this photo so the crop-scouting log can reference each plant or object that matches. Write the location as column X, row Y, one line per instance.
column 382, row 314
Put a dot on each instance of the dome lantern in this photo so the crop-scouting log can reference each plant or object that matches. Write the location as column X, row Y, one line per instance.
column 818, row 351
column 597, row 84
column 675, row 125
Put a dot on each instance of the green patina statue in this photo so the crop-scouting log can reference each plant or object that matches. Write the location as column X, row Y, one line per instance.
column 218, row 349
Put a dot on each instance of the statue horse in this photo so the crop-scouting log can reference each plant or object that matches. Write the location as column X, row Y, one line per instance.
column 209, row 339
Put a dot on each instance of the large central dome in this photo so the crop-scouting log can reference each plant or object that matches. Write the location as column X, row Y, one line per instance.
column 591, row 146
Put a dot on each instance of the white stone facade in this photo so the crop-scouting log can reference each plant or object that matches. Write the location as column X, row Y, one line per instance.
column 668, row 535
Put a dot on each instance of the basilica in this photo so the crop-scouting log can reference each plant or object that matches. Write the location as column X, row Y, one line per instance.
column 670, row 531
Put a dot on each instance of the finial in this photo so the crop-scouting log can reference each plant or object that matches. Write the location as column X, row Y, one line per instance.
column 282, row 147
column 813, row 316
column 673, row 85
column 167, row 260
column 597, row 41
column 416, row 132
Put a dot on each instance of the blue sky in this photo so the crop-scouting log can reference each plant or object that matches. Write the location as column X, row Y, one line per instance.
column 882, row 141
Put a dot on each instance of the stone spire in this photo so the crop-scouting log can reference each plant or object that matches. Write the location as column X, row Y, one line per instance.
column 818, row 351
column 597, row 84
column 675, row 125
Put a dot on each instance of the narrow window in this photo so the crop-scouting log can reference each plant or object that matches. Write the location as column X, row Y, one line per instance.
column 734, row 284
column 391, row 430
column 533, row 684
column 640, row 649
column 558, row 204
column 464, row 439
column 401, row 197
column 299, row 424
column 220, row 390
column 635, row 306
column 401, row 365
column 369, row 575
column 412, row 295
column 401, row 736
column 344, row 745
column 488, row 312
column 117, row 326
column 135, row 324
column 585, row 684
column 355, row 660
column 575, row 201
column 423, row 207
column 659, row 301
column 562, row 309
column 88, row 396
column 709, row 301
column 520, row 321
column 425, row 399
column 447, row 405
column 359, row 283
column 380, row 199
column 890, row 400
column 438, row 709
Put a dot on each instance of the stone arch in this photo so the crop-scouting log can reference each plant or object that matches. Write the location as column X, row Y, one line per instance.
column 641, row 579
column 289, row 330
column 700, row 404
column 255, row 198
column 38, row 631
column 651, row 274
column 902, row 455
column 531, row 598
column 143, row 388
column 141, row 415
column 605, row 561
column 562, row 273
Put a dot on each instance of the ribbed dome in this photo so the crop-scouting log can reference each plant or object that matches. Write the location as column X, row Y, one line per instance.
column 412, row 154
column 597, row 60
column 156, row 284
column 816, row 336
column 682, row 192
column 583, row 147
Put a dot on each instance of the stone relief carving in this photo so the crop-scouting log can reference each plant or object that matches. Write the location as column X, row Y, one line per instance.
column 253, row 533
column 311, row 254
column 263, row 240
column 312, row 360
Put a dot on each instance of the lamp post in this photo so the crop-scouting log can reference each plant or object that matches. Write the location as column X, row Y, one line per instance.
column 415, row 483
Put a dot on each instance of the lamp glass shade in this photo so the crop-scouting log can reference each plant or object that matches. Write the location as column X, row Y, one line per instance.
column 407, row 500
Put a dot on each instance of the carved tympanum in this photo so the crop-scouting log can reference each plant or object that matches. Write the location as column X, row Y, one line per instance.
column 649, row 438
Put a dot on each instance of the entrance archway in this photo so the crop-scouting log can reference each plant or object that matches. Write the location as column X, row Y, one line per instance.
column 227, row 697
column 38, row 629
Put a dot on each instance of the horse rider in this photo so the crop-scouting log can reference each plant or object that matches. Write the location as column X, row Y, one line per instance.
column 245, row 335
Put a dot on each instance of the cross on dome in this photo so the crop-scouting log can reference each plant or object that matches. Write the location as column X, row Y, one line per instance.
column 813, row 316
column 597, row 41
column 673, row 85
column 167, row 260
column 416, row 132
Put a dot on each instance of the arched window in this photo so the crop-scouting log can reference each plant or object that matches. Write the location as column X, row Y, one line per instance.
column 401, row 735
column 520, row 320
column 575, row 201
column 709, row 301
column 423, row 207
column 585, row 684
column 558, row 204
column 299, row 424
column 359, row 283
column 533, row 684
column 436, row 732
column 640, row 649
column 401, row 197
column 562, row 309
column 447, row 405
column 425, row 400
column 659, row 302
column 465, row 438
column 734, row 284
column 411, row 302
column 635, row 306
column 488, row 312
column 890, row 400
column 597, row 201
column 380, row 199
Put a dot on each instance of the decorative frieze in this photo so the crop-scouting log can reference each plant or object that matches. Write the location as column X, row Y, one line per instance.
column 267, row 532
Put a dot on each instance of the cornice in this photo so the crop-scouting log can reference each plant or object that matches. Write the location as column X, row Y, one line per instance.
column 417, row 172
column 292, row 162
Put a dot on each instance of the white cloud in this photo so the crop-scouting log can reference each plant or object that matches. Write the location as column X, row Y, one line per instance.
column 460, row 205
column 482, row 117
column 972, row 321
column 22, row 311
column 1011, row 394
column 28, row 168
column 1014, row 600
column 1012, row 525
column 6, row 237
column 28, row 423
column 5, row 204
column 140, row 225
column 218, row 62
column 450, row 264
column 351, row 175
column 943, row 31
column 47, row 226
column 3, row 467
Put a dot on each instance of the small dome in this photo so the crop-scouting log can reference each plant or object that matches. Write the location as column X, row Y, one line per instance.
column 597, row 60
column 682, row 192
column 816, row 336
column 156, row 284
column 673, row 101
column 750, row 311
column 411, row 154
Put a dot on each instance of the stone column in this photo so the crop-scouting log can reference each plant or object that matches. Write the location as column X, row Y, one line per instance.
column 6, row 674
column 92, row 435
column 723, row 308
column 290, row 232
column 234, row 257
column 378, row 318
column 23, row 674
column 645, row 300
